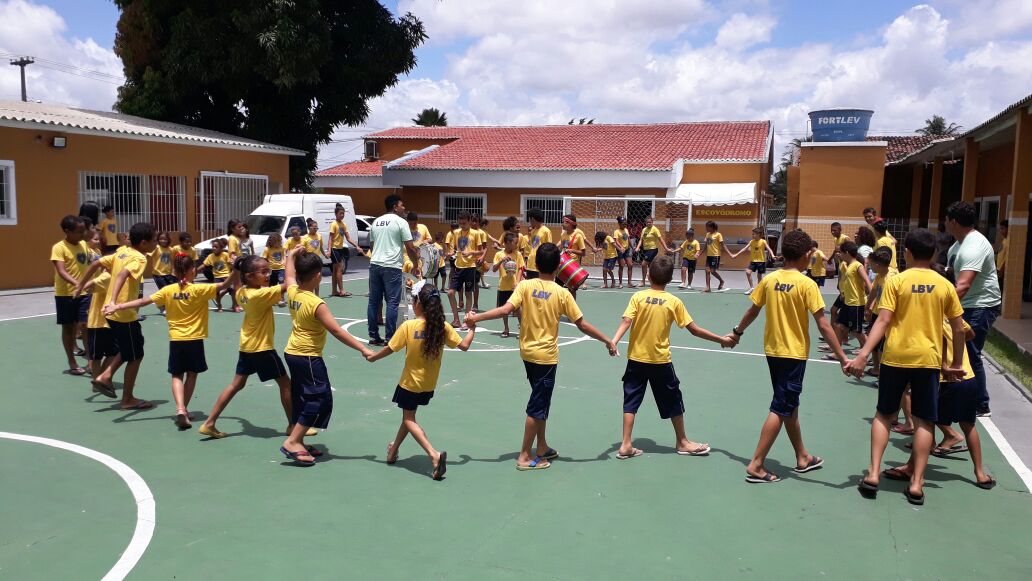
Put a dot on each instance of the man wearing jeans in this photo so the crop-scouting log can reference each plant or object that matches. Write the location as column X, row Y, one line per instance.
column 973, row 262
column 389, row 238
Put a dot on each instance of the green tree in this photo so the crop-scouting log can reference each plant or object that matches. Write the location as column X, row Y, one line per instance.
column 285, row 72
column 581, row 121
column 431, row 117
column 937, row 127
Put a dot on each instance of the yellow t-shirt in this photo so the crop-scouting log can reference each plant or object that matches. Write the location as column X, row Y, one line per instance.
column 524, row 246
column 234, row 245
column 293, row 243
column 219, row 263
column 839, row 240
column 650, row 237
column 888, row 243
column 947, row 336
column 542, row 303
column 465, row 241
column 440, row 252
column 574, row 240
column 623, row 236
column 420, row 373
column 421, row 235
column 852, row 284
column 161, row 261
column 259, row 328
column 690, row 249
column 337, row 232
column 878, row 286
column 1001, row 257
column 313, row 243
column 790, row 299
column 507, row 281
column 109, row 230
column 186, row 309
column 757, row 251
column 538, row 236
column 276, row 257
column 191, row 252
column 96, row 319
column 652, row 313
column 307, row 335
column 76, row 259
column 818, row 264
column 713, row 242
column 135, row 263
column 610, row 250
column 919, row 299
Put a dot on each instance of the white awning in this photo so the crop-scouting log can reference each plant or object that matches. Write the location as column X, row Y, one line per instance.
column 715, row 194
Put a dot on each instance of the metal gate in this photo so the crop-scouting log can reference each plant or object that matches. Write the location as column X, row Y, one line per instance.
column 222, row 197
column 158, row 200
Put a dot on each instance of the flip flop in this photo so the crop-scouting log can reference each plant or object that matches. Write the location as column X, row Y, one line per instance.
column 987, row 485
column 896, row 474
column 211, row 432
column 768, row 478
column 941, row 452
column 551, row 454
column 915, row 499
column 104, row 388
column 294, row 456
column 704, row 450
column 505, row 335
column 76, row 371
column 313, row 451
column 867, row 490
column 80, row 353
column 390, row 445
column 536, row 464
column 346, row 294
column 901, row 430
column 140, row 405
column 815, row 463
column 183, row 421
column 634, row 454
column 442, row 467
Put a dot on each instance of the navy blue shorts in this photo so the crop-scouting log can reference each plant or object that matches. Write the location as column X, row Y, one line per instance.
column 463, row 279
column 267, row 364
column 128, row 339
column 786, row 377
column 339, row 255
column 851, row 318
column 529, row 274
column 609, row 263
column 310, row 391
column 276, row 277
column 163, row 280
column 100, row 344
column 542, row 381
column 625, row 255
column 410, row 400
column 666, row 388
column 503, row 297
column 186, row 357
column 71, row 310
column 839, row 303
column 649, row 255
column 819, row 280
column 958, row 402
column 689, row 263
column 760, row 267
column 924, row 391
column 713, row 262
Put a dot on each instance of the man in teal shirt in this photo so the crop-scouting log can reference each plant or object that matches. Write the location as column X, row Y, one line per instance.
column 389, row 239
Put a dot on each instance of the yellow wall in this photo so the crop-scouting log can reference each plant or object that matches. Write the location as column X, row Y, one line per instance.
column 47, row 185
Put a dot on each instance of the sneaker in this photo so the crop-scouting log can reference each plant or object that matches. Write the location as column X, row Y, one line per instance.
column 689, row 287
column 682, row 285
column 749, row 291
column 984, row 413
column 377, row 342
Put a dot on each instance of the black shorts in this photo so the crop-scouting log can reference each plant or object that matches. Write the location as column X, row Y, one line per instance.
column 72, row 310
column 267, row 364
column 609, row 263
column 958, row 402
column 819, row 280
column 410, row 400
column 786, row 377
column 100, row 344
column 713, row 262
column 689, row 263
column 852, row 318
column 529, row 274
column 625, row 255
column 542, row 381
column 163, row 280
column 503, row 297
column 759, row 267
column 839, row 303
column 666, row 388
column 186, row 357
column 649, row 255
column 924, row 390
column 339, row 255
column 128, row 339
column 276, row 277
column 463, row 279
column 310, row 391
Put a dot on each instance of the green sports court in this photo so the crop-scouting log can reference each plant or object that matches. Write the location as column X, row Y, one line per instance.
column 234, row 509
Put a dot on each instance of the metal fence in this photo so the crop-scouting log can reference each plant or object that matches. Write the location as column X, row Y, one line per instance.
column 159, row 200
column 225, row 196
column 819, row 228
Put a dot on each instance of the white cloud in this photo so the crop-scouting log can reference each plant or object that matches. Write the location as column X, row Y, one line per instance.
column 39, row 31
column 742, row 31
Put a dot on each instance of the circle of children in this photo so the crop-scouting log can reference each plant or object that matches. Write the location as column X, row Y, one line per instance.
column 917, row 334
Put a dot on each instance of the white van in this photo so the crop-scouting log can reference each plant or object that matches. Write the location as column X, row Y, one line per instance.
column 280, row 212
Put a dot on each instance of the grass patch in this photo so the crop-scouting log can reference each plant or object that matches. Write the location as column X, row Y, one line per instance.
column 1006, row 353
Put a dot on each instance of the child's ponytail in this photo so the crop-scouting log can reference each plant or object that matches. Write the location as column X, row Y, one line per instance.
column 246, row 265
column 182, row 264
column 433, row 311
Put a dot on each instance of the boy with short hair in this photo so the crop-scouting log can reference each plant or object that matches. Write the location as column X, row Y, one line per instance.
column 714, row 246
column 854, row 286
column 572, row 241
column 689, row 258
column 508, row 263
column 607, row 244
column 879, row 260
column 185, row 246
column 109, row 229
column 838, row 239
column 539, row 234
column 758, row 251
column 221, row 266
column 789, row 298
column 885, row 240
column 542, row 302
column 652, row 312
column 71, row 258
column 910, row 318
column 465, row 246
column 818, row 266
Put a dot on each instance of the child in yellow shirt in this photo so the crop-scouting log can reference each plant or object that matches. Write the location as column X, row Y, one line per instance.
column 508, row 263
column 441, row 278
column 109, row 229
column 652, row 312
column 537, row 235
column 221, row 268
column 161, row 261
column 789, row 298
column 714, row 244
column 185, row 246
column 818, row 269
column 312, row 241
column 758, row 252
column 622, row 238
column 855, row 287
column 879, row 261
column 100, row 345
column 294, row 239
column 689, row 258
column 542, row 302
column 186, row 310
column 649, row 243
column 607, row 244
column 423, row 339
column 70, row 259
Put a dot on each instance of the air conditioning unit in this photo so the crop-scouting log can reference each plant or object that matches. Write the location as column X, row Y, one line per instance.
column 371, row 151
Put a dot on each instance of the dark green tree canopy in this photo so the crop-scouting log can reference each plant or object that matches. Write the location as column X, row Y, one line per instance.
column 283, row 71
column 937, row 127
column 431, row 117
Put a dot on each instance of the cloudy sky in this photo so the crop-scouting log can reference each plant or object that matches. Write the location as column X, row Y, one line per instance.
column 499, row 62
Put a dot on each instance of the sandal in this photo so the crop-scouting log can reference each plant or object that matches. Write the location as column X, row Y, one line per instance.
column 901, row 429
column 635, row 452
column 295, row 456
column 987, row 485
column 76, row 371
column 944, row 452
column 702, row 450
column 867, row 489
column 390, row 446
column 815, row 463
column 441, row 468
column 139, row 405
column 896, row 474
column 313, row 451
column 915, row 499
column 104, row 388
column 536, row 464
column 768, row 478
column 211, row 432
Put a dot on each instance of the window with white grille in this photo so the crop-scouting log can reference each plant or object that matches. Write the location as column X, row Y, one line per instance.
column 452, row 204
column 158, row 200
column 552, row 206
column 8, row 206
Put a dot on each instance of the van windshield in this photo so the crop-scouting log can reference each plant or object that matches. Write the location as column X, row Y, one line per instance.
column 265, row 225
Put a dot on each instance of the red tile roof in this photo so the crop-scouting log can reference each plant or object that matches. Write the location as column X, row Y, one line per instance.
column 354, row 168
column 900, row 146
column 652, row 147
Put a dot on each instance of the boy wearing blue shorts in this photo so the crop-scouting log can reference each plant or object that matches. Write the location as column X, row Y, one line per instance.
column 70, row 258
column 789, row 298
column 690, row 249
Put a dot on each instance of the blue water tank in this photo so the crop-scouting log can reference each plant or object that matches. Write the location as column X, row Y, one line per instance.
column 840, row 124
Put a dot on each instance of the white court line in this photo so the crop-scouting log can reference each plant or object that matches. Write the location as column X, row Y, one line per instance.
column 145, row 505
column 1008, row 452
column 27, row 317
column 731, row 352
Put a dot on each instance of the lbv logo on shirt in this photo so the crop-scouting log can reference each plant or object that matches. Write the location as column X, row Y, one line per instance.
column 181, row 296
column 654, row 301
column 783, row 287
column 295, row 305
column 540, row 294
column 419, row 335
column 921, row 288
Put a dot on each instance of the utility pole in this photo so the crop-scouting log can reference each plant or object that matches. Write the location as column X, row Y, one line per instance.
column 23, row 62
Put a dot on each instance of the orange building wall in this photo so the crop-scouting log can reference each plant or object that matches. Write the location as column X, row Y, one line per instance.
column 996, row 173
column 47, row 185
column 840, row 181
